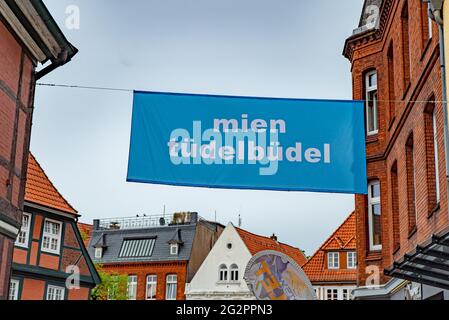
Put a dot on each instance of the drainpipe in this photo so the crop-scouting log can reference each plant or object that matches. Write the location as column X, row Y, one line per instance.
column 436, row 14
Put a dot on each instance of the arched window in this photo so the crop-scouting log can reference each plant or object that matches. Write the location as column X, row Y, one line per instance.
column 234, row 270
column 223, row 273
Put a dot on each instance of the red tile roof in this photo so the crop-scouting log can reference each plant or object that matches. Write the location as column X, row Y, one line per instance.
column 343, row 239
column 40, row 190
column 86, row 230
column 256, row 243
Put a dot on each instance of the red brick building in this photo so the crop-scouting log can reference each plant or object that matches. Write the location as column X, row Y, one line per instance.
column 402, row 223
column 333, row 268
column 48, row 245
column 28, row 37
column 159, row 254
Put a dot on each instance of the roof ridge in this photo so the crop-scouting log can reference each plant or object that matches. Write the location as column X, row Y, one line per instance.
column 52, row 185
column 332, row 236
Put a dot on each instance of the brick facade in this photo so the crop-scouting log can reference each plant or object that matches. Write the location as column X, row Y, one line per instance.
column 401, row 155
column 161, row 270
column 36, row 266
column 28, row 36
column 16, row 100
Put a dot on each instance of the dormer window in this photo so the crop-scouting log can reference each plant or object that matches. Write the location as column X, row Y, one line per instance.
column 175, row 242
column 98, row 253
column 174, row 248
column 333, row 260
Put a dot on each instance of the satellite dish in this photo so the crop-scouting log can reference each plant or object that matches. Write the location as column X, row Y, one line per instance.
column 272, row 275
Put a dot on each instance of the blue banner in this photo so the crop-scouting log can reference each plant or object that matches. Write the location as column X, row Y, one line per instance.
column 248, row 143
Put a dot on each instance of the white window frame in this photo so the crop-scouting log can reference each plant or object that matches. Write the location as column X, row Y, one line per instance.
column 354, row 259
column 25, row 231
column 372, row 201
column 14, row 287
column 333, row 263
column 171, row 280
column 98, row 253
column 347, row 292
column 132, row 287
column 151, row 285
column 174, row 249
column 333, row 291
column 234, row 273
column 223, row 273
column 51, row 236
column 368, row 90
column 435, row 151
column 55, row 288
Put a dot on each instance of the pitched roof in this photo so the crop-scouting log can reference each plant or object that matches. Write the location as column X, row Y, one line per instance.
column 86, row 230
column 344, row 239
column 256, row 243
column 40, row 190
column 114, row 239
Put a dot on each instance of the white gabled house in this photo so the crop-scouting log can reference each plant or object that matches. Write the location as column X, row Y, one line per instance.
column 220, row 277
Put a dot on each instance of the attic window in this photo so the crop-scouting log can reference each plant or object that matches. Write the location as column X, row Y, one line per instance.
column 174, row 247
column 137, row 248
column 98, row 253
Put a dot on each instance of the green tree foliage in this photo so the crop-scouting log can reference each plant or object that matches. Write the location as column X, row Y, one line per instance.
column 113, row 286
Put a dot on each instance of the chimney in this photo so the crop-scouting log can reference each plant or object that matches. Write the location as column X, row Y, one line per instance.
column 96, row 224
column 194, row 217
column 274, row 237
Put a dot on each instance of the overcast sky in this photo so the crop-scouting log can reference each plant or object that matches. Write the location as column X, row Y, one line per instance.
column 271, row 48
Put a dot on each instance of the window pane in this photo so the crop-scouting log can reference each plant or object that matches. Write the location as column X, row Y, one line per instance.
column 376, row 229
column 375, row 190
column 376, row 209
column 373, row 80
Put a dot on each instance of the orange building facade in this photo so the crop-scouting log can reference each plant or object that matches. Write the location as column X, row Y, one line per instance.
column 50, row 261
column 333, row 268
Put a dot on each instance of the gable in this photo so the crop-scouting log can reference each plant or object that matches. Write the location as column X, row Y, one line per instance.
column 41, row 191
column 206, row 278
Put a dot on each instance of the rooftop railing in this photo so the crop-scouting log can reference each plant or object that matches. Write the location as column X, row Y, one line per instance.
column 144, row 221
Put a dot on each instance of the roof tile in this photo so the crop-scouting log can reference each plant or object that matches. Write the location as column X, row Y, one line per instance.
column 40, row 190
column 343, row 239
column 256, row 243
